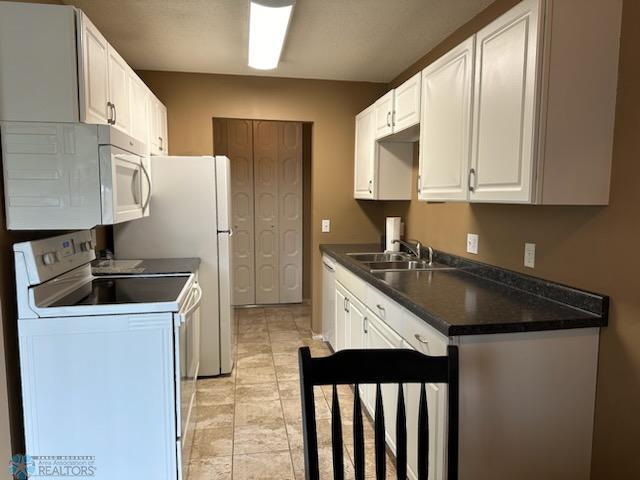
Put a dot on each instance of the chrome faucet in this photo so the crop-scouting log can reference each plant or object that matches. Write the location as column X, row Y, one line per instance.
column 417, row 249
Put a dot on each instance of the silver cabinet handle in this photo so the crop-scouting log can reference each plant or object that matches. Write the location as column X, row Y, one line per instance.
column 115, row 113
column 393, row 118
column 418, row 182
column 472, row 177
column 160, row 147
column 421, row 339
column 109, row 113
column 380, row 307
column 365, row 320
column 388, row 122
column 370, row 186
column 347, row 305
column 146, row 175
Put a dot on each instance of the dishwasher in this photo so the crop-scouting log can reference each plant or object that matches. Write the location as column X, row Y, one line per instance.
column 328, row 301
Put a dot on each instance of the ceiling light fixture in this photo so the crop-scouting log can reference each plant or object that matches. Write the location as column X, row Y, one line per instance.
column 268, row 24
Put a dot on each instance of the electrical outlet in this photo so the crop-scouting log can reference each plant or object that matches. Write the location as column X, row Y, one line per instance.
column 472, row 243
column 530, row 255
column 326, row 226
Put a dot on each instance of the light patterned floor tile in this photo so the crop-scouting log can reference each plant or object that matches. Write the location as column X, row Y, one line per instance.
column 263, row 466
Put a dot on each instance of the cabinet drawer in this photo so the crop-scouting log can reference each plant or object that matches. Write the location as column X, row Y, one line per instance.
column 351, row 282
column 382, row 306
column 406, row 324
column 422, row 336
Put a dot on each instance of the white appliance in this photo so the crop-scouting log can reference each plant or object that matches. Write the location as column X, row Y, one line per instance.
column 70, row 176
column 108, row 364
column 329, row 301
column 191, row 218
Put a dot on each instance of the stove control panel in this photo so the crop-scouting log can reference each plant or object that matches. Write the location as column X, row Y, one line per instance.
column 50, row 257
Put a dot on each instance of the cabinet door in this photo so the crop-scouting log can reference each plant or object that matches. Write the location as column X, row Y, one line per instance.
column 340, row 317
column 94, row 73
column 355, row 330
column 379, row 335
column 383, row 115
column 163, row 128
column 445, row 129
column 436, row 408
column 364, row 172
column 505, row 106
column 119, row 74
column 138, row 108
column 406, row 112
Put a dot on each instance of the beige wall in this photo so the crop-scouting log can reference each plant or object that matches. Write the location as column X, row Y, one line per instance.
column 193, row 99
column 587, row 247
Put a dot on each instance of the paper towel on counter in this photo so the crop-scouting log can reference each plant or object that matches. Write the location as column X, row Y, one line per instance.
column 394, row 225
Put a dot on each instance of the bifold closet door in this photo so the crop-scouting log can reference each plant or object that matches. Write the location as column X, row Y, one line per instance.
column 277, row 155
column 265, row 161
column 239, row 148
column 290, row 211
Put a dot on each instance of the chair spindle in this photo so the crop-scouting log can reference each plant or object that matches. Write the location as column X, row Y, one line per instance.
column 380, row 443
column 336, row 437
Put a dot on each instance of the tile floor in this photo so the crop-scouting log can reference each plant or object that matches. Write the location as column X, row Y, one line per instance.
column 249, row 423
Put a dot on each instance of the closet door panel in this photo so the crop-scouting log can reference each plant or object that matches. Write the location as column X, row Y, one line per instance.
column 240, row 152
column 290, row 211
column 267, row 265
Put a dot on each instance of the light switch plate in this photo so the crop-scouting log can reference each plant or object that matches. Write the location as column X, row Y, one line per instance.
column 326, row 226
column 472, row 243
column 530, row 255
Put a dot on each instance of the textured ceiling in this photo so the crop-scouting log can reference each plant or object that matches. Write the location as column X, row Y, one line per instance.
column 368, row 40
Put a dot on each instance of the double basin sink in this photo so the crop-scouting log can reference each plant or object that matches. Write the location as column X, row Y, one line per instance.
column 395, row 262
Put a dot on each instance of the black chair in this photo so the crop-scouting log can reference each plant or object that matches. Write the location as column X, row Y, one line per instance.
column 356, row 367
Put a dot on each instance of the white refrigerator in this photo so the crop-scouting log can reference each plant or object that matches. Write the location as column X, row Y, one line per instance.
column 190, row 217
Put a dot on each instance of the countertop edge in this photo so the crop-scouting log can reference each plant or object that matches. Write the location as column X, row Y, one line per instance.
column 589, row 320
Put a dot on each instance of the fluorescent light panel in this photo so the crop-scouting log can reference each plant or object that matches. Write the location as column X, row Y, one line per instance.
column 267, row 30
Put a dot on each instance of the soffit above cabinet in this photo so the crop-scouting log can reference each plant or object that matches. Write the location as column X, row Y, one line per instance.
column 365, row 40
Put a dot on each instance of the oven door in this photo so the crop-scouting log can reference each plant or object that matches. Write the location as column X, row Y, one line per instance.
column 125, row 185
column 187, row 360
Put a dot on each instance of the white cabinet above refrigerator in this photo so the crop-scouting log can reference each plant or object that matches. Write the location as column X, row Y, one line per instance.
column 71, row 176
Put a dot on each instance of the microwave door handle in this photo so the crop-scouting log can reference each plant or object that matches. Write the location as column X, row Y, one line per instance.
column 134, row 180
column 146, row 176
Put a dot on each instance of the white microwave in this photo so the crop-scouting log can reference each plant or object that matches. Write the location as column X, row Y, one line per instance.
column 72, row 176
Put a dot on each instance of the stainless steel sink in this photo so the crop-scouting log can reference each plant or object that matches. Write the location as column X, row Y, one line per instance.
column 380, row 257
column 401, row 266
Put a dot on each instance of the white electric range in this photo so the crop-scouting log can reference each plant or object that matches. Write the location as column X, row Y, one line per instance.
column 108, row 364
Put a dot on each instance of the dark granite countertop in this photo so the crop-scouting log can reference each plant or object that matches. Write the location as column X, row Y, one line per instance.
column 475, row 298
column 148, row 266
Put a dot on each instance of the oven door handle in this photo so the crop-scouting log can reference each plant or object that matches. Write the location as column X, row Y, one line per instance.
column 192, row 305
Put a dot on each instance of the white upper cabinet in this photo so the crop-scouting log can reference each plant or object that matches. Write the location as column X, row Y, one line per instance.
column 157, row 126
column 383, row 115
column 138, row 93
column 93, row 71
column 68, row 72
column 445, row 135
column 506, row 81
column 406, row 112
column 364, row 155
column 382, row 170
column 538, row 134
column 119, row 93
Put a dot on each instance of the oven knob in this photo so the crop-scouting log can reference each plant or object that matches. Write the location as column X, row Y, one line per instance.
column 86, row 246
column 49, row 258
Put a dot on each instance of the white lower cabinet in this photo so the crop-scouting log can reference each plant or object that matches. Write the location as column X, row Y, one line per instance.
column 527, row 399
column 436, row 407
column 357, row 326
